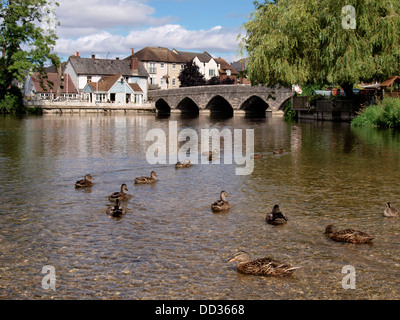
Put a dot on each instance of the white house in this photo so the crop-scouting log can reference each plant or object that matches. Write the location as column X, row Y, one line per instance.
column 208, row 66
column 85, row 70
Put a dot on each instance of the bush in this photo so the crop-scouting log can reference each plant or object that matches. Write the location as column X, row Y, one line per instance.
column 12, row 102
column 385, row 114
column 289, row 113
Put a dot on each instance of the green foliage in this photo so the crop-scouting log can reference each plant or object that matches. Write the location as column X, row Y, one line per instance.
column 12, row 101
column 289, row 113
column 25, row 45
column 385, row 114
column 190, row 76
column 304, row 42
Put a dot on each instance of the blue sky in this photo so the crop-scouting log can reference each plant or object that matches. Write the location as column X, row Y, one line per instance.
column 110, row 28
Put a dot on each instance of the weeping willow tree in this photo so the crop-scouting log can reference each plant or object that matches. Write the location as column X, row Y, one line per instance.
column 322, row 42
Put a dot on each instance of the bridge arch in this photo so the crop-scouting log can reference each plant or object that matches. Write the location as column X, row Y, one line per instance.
column 163, row 107
column 284, row 104
column 255, row 105
column 219, row 105
column 187, row 105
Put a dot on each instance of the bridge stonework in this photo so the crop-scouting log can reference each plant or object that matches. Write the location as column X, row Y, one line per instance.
column 239, row 97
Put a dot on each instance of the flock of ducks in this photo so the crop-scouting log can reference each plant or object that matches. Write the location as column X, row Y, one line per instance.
column 262, row 266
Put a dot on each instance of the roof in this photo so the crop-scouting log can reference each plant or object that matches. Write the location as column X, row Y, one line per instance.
column 105, row 67
column 53, row 77
column 188, row 56
column 225, row 66
column 239, row 65
column 389, row 82
column 107, row 82
column 157, row 54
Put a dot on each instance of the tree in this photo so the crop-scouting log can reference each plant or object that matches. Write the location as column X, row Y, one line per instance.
column 323, row 42
column 26, row 43
column 213, row 81
column 190, row 75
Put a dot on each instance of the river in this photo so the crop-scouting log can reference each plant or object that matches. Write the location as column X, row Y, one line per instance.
column 170, row 245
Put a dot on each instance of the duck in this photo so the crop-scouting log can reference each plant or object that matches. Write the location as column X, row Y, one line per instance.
column 262, row 266
column 116, row 211
column 85, row 182
column 186, row 164
column 146, row 180
column 276, row 217
column 221, row 204
column 212, row 155
column 279, row 151
column 257, row 156
column 121, row 195
column 347, row 235
column 390, row 211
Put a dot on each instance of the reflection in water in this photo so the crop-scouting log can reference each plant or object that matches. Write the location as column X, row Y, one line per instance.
column 170, row 245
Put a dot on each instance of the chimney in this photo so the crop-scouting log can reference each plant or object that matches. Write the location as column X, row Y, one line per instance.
column 134, row 65
column 76, row 54
column 133, row 52
column 117, row 58
column 93, row 56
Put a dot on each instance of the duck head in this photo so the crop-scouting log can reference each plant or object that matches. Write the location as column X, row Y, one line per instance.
column 240, row 256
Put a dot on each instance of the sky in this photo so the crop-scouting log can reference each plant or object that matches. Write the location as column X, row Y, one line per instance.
column 111, row 28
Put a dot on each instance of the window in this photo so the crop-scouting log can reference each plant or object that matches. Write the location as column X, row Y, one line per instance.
column 228, row 73
column 173, row 81
column 174, row 66
column 211, row 73
column 162, row 64
column 152, row 67
column 162, row 81
column 182, row 66
column 89, row 79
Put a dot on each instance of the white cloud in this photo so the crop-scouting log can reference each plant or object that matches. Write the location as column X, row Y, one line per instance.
column 170, row 36
column 112, row 27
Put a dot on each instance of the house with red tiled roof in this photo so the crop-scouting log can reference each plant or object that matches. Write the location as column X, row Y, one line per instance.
column 45, row 87
column 208, row 66
column 226, row 71
column 162, row 65
column 112, row 89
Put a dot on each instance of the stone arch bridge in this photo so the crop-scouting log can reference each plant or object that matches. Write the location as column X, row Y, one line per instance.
column 223, row 99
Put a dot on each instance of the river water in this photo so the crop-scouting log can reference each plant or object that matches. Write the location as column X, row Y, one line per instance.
column 170, row 245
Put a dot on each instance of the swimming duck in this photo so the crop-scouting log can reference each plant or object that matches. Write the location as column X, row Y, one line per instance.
column 122, row 196
column 390, row 211
column 279, row 151
column 221, row 204
column 185, row 164
column 146, row 180
column 257, row 156
column 276, row 217
column 116, row 211
column 262, row 266
column 347, row 235
column 85, row 182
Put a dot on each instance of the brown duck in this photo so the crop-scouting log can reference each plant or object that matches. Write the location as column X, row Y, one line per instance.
column 347, row 235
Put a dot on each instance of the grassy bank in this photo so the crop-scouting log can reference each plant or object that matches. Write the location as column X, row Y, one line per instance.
column 385, row 114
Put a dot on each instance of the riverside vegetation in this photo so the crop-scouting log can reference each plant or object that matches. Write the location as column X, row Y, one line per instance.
column 384, row 114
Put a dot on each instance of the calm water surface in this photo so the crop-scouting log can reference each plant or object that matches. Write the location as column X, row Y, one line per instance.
column 170, row 245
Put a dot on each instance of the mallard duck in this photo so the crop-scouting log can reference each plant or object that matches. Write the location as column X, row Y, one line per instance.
column 262, row 266
column 347, row 235
column 221, row 204
column 257, row 156
column 116, row 211
column 146, row 180
column 85, row 182
column 185, row 164
column 279, row 151
column 212, row 155
column 122, row 196
column 390, row 211
column 276, row 217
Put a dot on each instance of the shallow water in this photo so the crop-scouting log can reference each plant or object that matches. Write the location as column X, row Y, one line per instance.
column 170, row 245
